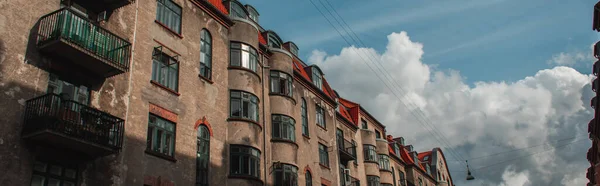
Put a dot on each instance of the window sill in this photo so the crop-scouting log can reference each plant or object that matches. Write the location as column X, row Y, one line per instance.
column 245, row 177
column 324, row 166
column 165, row 88
column 385, row 170
column 284, row 141
column 305, row 136
column 161, row 156
column 205, row 79
column 245, row 120
column 244, row 69
column 283, row 95
column 322, row 127
column 169, row 29
column 369, row 161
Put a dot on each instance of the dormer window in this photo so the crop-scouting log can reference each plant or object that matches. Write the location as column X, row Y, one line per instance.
column 294, row 49
column 252, row 13
column 317, row 78
column 236, row 10
column 274, row 42
column 396, row 149
column 426, row 158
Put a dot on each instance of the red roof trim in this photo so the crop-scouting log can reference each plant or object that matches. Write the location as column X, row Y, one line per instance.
column 219, row 5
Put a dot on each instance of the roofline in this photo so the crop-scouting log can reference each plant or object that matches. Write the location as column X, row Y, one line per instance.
column 423, row 172
column 313, row 89
column 255, row 10
column 362, row 109
column 445, row 163
column 220, row 16
column 354, row 127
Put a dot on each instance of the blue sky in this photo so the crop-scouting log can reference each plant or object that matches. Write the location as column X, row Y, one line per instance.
column 486, row 40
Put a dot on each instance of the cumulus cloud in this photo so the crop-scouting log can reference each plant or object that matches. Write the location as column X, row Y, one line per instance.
column 477, row 120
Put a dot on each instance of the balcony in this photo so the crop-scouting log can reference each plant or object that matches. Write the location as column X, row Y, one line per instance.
column 55, row 122
column 595, row 68
column 347, row 150
column 595, row 84
column 593, row 102
column 82, row 44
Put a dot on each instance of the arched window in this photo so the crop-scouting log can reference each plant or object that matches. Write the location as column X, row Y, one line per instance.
column 236, row 10
column 205, row 54
column 202, row 156
column 394, row 176
column 304, row 118
column 308, row 178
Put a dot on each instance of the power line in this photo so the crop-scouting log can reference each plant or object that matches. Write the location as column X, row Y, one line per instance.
column 384, row 72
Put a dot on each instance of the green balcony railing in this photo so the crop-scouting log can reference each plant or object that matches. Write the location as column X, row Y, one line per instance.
column 65, row 24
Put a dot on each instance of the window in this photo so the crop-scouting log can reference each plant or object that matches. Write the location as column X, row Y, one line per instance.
column 53, row 174
column 161, row 136
column 393, row 176
column 426, row 158
column 293, row 50
column 169, row 14
column 384, row 162
column 397, row 149
column 281, row 83
column 274, row 41
column 68, row 91
column 202, row 156
column 283, row 127
column 244, row 105
column 323, row 155
column 245, row 161
column 377, row 134
column 252, row 13
column 308, row 178
column 370, row 153
column 386, row 184
column 205, row 54
column 304, row 118
column 243, row 55
column 372, row 181
column 320, row 116
column 363, row 124
column 286, row 175
column 420, row 182
column 317, row 78
column 402, row 181
column 237, row 10
column 165, row 70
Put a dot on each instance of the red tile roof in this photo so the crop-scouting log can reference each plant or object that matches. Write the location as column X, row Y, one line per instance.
column 352, row 108
column 219, row 5
column 261, row 39
column 423, row 154
column 344, row 113
column 300, row 69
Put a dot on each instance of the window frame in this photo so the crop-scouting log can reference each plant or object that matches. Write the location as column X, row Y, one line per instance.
column 242, row 100
column 402, row 178
column 202, row 137
column 323, row 155
column 384, row 162
column 251, row 154
column 364, row 124
column 370, row 153
column 150, row 143
column 275, row 76
column 168, row 8
column 47, row 173
column 373, row 180
column 235, row 13
column 285, row 169
column 289, row 128
column 253, row 65
column 320, row 111
column 317, row 78
column 308, row 178
column 304, row 116
column 206, row 65
column 165, row 61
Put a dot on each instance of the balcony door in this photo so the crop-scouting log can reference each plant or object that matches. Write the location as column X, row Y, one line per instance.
column 68, row 91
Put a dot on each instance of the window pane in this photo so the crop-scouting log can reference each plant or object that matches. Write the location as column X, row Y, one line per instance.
column 37, row 180
column 235, row 57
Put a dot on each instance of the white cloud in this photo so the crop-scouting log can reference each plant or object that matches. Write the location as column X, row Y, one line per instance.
column 512, row 178
column 486, row 118
column 569, row 59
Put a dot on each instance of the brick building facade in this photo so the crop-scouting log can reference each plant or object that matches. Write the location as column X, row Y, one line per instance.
column 179, row 92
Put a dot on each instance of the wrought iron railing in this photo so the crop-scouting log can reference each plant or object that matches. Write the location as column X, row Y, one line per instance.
column 78, row 30
column 50, row 112
column 346, row 146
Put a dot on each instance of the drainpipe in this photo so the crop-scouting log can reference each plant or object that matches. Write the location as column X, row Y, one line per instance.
column 264, row 121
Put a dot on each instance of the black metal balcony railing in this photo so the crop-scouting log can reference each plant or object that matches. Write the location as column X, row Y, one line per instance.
column 347, row 149
column 50, row 113
column 79, row 32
